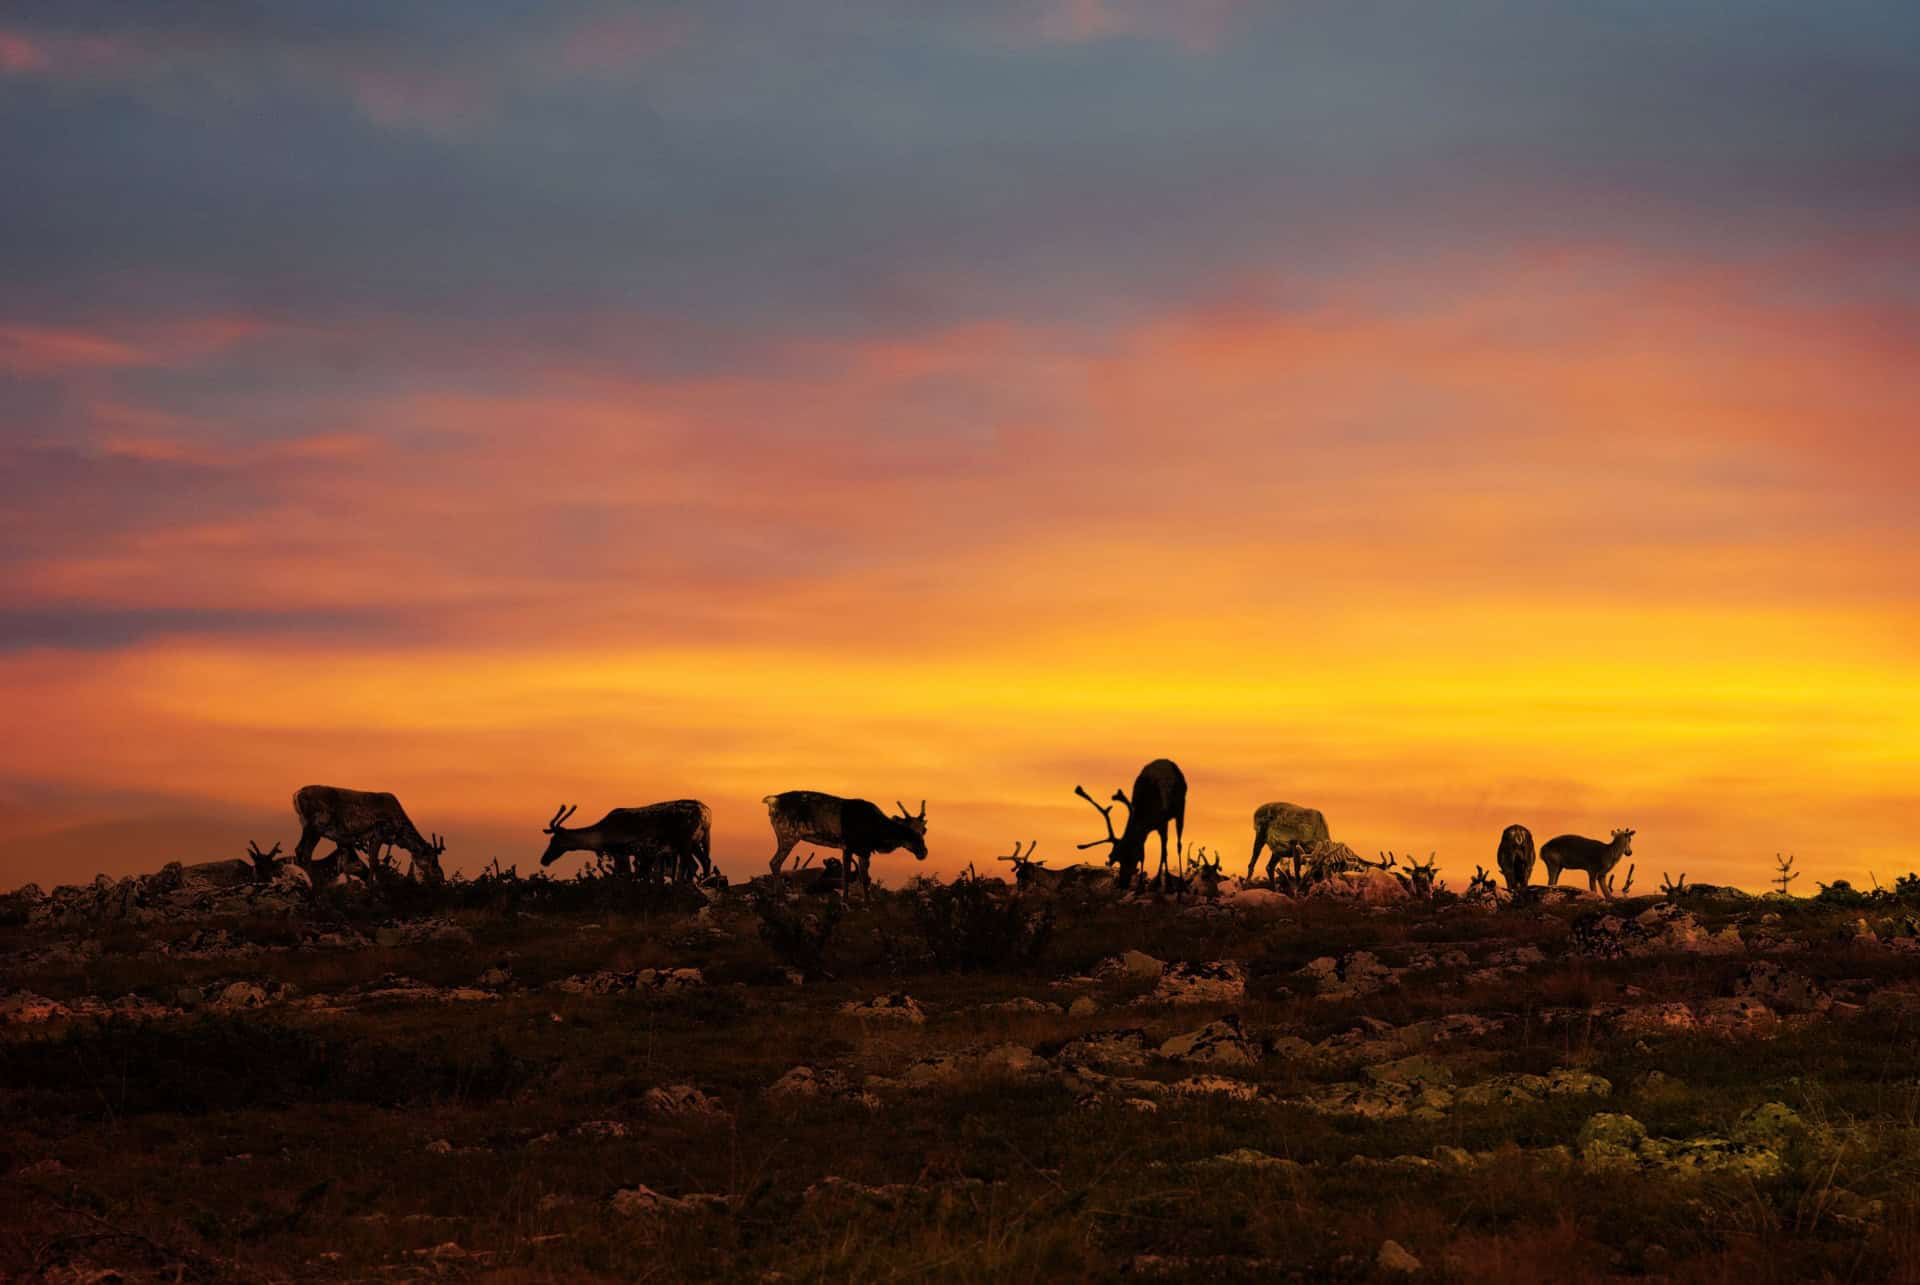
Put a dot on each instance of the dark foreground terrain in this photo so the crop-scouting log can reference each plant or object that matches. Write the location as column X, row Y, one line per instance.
column 507, row 1080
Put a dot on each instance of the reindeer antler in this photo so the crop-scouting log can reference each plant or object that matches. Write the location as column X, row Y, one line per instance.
column 1019, row 858
column 560, row 816
column 1106, row 814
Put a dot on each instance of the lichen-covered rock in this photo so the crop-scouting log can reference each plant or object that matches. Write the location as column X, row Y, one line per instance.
column 644, row 1202
column 1656, row 1019
column 1511, row 1090
column 681, row 1100
column 600, row 1130
column 1214, row 1086
column 1128, row 966
column 1248, row 1158
column 1378, row 1100
column 897, row 1007
column 1395, row 1260
column 1620, row 1141
column 1023, row 1007
column 648, row 981
column 1771, row 1124
column 1360, row 973
column 1219, row 1043
column 806, row 1082
column 24, row 1008
column 1416, row 1070
column 1220, row 982
column 1660, row 929
column 947, row 1069
column 1611, row 1140
column 1738, row 1017
column 237, row 995
column 1118, row 1048
column 1781, row 990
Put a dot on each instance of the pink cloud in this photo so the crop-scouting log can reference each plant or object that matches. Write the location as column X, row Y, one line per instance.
column 19, row 55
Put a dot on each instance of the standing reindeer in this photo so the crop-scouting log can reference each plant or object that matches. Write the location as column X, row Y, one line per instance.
column 855, row 826
column 1515, row 857
column 1283, row 828
column 361, row 824
column 1159, row 800
column 1590, row 856
column 680, row 831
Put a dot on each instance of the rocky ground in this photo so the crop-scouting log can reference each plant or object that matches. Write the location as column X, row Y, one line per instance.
column 509, row 1082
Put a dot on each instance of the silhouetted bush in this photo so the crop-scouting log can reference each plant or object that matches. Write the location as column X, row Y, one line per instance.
column 970, row 925
column 799, row 938
column 1842, row 893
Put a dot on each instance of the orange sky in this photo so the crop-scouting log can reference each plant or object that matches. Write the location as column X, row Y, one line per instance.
column 1639, row 565
column 1442, row 418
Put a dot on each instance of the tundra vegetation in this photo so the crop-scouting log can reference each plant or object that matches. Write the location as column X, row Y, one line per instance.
column 1369, row 1076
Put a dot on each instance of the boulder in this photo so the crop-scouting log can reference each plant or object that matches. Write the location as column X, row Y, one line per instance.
column 1219, row 1043
column 1220, row 982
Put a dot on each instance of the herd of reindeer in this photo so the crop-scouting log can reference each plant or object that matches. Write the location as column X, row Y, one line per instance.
column 673, row 841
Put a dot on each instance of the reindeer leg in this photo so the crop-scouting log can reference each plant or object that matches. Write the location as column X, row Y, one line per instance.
column 780, row 853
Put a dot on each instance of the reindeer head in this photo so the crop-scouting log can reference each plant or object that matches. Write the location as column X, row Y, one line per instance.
column 1023, row 862
column 427, row 860
column 264, row 863
column 917, row 845
column 1623, row 840
column 558, row 846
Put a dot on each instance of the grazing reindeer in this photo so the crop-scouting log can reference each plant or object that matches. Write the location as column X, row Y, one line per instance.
column 1028, row 873
column 680, row 831
column 259, row 868
column 1515, row 857
column 1592, row 857
column 1207, row 875
column 265, row 864
column 1279, row 827
column 1159, row 800
column 360, row 823
column 1420, row 879
column 855, row 826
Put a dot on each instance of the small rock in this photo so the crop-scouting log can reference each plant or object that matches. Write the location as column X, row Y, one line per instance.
column 681, row 1100
column 601, row 1129
column 1392, row 1258
column 1023, row 1006
column 1411, row 1071
column 1122, row 1048
column 644, row 1202
column 897, row 1007
column 1085, row 1006
column 236, row 995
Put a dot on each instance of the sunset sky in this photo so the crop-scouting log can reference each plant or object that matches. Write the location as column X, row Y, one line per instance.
column 1444, row 415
